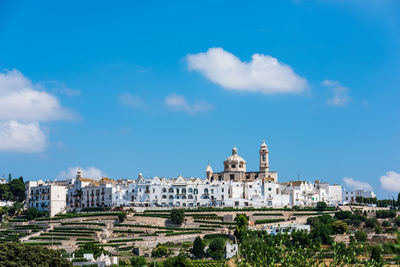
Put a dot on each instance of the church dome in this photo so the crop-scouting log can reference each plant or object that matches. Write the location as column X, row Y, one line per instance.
column 234, row 157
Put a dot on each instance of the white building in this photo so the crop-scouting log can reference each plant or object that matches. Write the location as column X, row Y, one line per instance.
column 350, row 196
column 234, row 186
column 48, row 197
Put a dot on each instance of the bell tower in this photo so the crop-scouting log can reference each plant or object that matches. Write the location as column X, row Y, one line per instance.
column 264, row 161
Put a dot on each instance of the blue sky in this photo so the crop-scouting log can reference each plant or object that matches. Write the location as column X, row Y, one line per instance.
column 164, row 87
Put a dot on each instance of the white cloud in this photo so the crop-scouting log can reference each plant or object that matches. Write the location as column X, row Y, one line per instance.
column 130, row 100
column 22, row 106
column 21, row 137
column 264, row 74
column 21, row 100
column 88, row 172
column 357, row 185
column 391, row 181
column 179, row 103
column 340, row 94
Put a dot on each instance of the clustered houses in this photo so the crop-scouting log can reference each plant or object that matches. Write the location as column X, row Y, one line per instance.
column 234, row 186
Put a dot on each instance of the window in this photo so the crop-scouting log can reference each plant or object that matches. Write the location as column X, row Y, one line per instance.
column 263, row 157
column 240, row 166
column 196, row 191
column 212, row 191
column 222, row 190
column 233, row 166
column 190, row 190
column 232, row 177
column 269, row 188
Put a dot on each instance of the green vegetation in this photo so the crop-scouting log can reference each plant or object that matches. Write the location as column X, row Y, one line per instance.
column 269, row 221
column 383, row 214
column 360, row 236
column 177, row 216
column 16, row 254
column 216, row 249
column 14, row 190
column 198, row 248
column 183, row 233
column 139, row 261
column 160, row 251
column 321, row 206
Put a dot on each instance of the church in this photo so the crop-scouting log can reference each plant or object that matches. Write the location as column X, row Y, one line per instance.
column 235, row 169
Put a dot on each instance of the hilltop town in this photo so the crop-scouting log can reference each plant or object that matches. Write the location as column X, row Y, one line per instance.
column 202, row 222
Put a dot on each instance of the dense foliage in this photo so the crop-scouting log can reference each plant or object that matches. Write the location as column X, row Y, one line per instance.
column 198, row 248
column 14, row 190
column 17, row 254
column 177, row 216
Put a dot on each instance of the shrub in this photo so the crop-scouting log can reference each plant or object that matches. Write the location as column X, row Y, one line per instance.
column 371, row 222
column 177, row 216
column 160, row 251
column 321, row 206
column 122, row 216
column 269, row 221
column 376, row 254
column 339, row 227
column 361, row 236
column 386, row 224
column 397, row 221
column 139, row 261
column 216, row 249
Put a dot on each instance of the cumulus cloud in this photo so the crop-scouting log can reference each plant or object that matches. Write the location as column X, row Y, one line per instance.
column 21, row 137
column 340, row 94
column 179, row 103
column 356, row 185
column 88, row 172
column 264, row 74
column 391, row 181
column 130, row 100
column 22, row 106
column 20, row 100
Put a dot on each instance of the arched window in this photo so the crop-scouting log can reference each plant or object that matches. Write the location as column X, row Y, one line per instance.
column 164, row 190
column 196, row 192
column 171, row 190
column 171, row 197
column 183, row 197
column 190, row 190
column 206, row 191
column 183, row 191
column 164, row 196
column 190, row 197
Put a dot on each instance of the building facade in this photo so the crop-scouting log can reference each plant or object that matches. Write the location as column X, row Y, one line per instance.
column 234, row 186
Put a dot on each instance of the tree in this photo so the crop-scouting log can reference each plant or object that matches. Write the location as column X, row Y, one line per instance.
column 122, row 216
column 321, row 206
column 241, row 225
column 18, row 254
column 398, row 199
column 321, row 233
column 339, row 227
column 371, row 222
column 198, row 248
column 216, row 249
column 397, row 221
column 31, row 213
column 376, row 254
column 160, row 251
column 139, row 261
column 177, row 216
column 361, row 236
column 178, row 261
